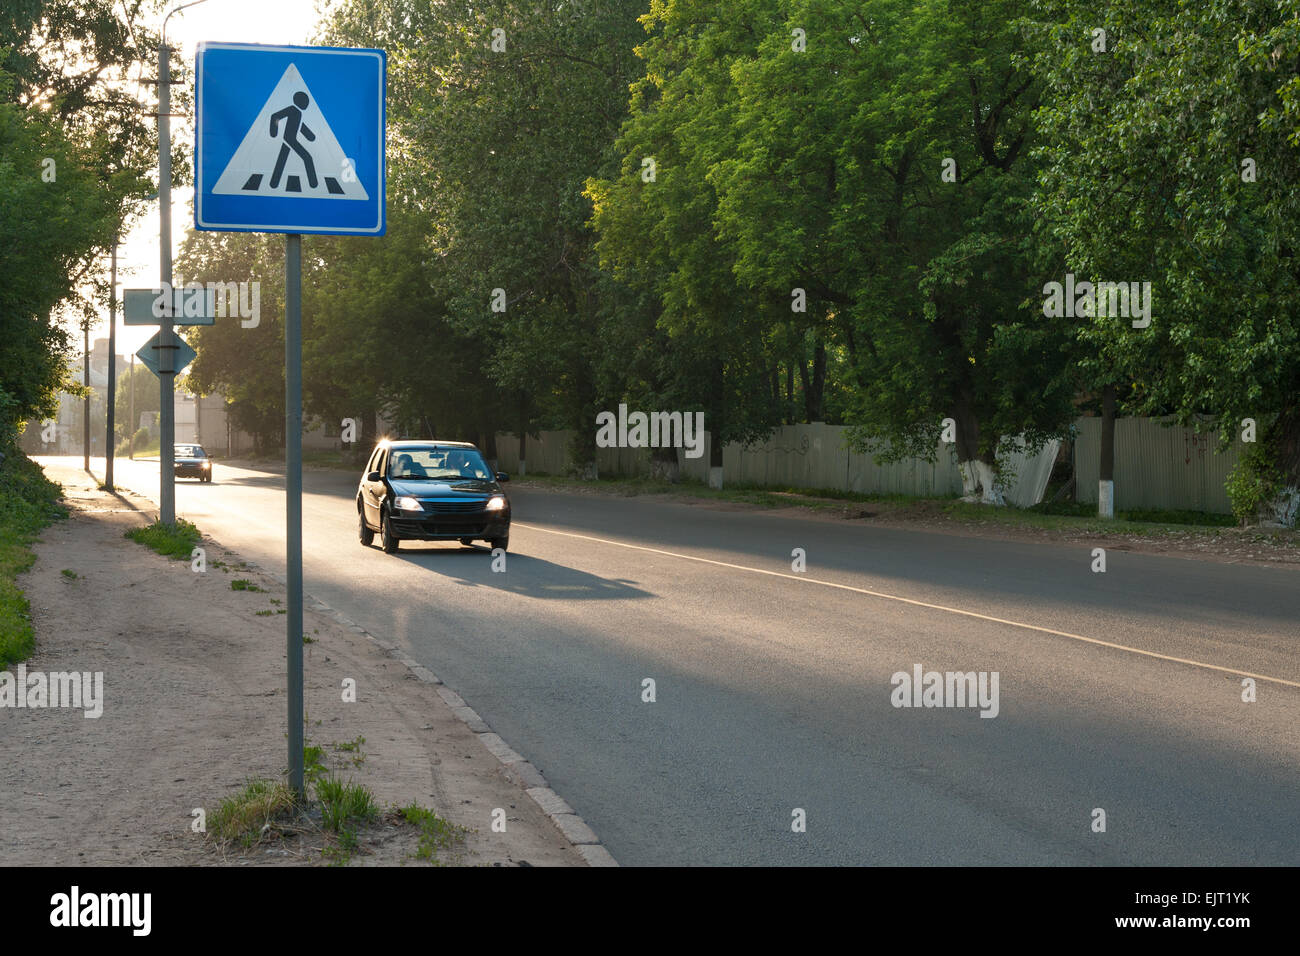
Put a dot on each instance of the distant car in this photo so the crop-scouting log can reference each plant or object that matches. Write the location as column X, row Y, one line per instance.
column 191, row 461
column 431, row 491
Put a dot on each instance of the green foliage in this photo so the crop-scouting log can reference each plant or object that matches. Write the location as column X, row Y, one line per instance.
column 1255, row 480
column 28, row 502
column 75, row 153
column 1143, row 179
column 171, row 541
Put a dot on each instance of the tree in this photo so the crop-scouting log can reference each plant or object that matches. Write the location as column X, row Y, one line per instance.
column 1169, row 158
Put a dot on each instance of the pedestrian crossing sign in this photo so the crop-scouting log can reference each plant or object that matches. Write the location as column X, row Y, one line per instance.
column 289, row 139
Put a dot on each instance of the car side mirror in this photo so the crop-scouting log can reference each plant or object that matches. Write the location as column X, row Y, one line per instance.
column 373, row 476
column 502, row 476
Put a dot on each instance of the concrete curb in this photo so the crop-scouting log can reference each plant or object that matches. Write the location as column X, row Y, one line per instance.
column 518, row 770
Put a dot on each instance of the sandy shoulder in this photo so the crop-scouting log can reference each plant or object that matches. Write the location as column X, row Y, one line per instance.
column 194, row 706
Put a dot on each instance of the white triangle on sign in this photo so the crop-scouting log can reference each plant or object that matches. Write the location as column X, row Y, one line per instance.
column 252, row 170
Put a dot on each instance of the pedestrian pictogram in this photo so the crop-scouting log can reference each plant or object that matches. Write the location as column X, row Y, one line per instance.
column 290, row 150
column 289, row 139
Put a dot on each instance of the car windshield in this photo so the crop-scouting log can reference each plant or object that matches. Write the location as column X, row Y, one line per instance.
column 442, row 464
column 190, row 451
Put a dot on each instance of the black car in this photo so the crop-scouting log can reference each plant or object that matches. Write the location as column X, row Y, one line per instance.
column 191, row 461
column 431, row 491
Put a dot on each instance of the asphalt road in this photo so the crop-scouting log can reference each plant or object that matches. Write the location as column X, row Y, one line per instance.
column 1120, row 691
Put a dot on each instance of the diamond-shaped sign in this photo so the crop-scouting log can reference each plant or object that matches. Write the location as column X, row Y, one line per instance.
column 151, row 351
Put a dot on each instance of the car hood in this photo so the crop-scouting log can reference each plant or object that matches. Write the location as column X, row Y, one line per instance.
column 443, row 489
column 189, row 461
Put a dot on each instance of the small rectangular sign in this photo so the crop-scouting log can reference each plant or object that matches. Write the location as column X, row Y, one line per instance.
column 189, row 306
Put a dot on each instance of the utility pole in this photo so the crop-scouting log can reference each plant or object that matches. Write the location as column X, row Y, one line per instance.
column 166, row 340
column 167, row 347
column 85, row 380
column 112, row 371
column 130, row 442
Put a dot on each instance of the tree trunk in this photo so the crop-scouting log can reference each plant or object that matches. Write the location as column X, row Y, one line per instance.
column 1106, row 488
column 789, row 393
column 714, row 425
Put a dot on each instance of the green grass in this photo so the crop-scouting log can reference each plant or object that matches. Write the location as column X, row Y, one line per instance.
column 172, row 541
column 243, row 584
column 28, row 502
column 344, row 803
column 313, row 762
column 69, row 573
column 244, row 816
column 435, row 833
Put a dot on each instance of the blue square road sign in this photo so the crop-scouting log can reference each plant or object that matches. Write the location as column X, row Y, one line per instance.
column 289, row 139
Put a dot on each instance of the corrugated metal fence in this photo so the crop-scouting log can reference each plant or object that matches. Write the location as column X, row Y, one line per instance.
column 1155, row 466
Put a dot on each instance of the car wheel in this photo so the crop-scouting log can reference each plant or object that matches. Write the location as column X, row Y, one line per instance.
column 502, row 543
column 364, row 533
column 387, row 538
column 467, row 542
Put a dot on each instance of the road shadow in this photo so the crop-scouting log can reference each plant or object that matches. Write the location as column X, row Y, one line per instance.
column 524, row 575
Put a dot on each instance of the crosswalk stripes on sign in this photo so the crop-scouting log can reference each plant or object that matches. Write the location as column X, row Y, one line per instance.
column 290, row 150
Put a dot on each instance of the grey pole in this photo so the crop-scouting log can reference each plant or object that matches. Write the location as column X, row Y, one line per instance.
column 130, row 442
column 166, row 383
column 112, row 371
column 293, row 497
column 85, row 380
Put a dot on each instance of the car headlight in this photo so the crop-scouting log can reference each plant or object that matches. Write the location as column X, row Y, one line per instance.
column 495, row 504
column 407, row 503
column 207, row 464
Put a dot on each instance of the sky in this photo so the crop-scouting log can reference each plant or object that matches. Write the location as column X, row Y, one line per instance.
column 250, row 21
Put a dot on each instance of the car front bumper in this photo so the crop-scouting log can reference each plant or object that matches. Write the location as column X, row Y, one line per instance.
column 449, row 527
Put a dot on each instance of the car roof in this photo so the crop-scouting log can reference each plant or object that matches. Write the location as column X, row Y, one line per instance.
column 430, row 442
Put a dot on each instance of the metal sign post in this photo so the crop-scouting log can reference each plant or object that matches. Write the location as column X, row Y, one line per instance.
column 293, row 495
column 290, row 139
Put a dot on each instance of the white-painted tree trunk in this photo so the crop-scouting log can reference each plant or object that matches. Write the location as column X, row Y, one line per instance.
column 1106, row 499
column 1282, row 511
column 715, row 478
column 668, row 471
column 979, row 483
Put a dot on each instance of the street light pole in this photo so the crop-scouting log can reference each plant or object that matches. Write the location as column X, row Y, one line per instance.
column 166, row 382
column 130, row 441
column 112, row 371
column 85, row 380
column 166, row 340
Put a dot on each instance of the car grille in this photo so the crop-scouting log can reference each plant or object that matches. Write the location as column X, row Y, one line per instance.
column 451, row 506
